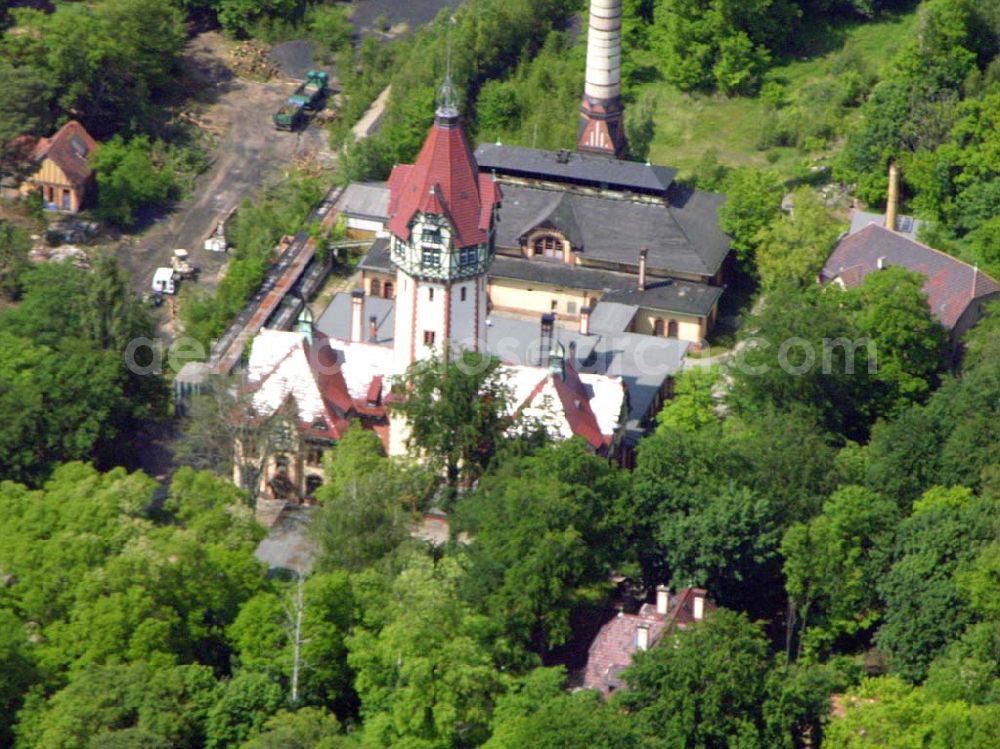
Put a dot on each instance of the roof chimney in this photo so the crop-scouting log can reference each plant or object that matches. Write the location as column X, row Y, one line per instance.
column 892, row 200
column 642, row 636
column 662, row 599
column 372, row 328
column 880, row 262
column 698, row 605
column 557, row 361
column 585, row 321
column 545, row 342
column 643, row 253
column 357, row 313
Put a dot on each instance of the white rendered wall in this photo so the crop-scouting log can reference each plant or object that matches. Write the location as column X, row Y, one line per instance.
column 403, row 327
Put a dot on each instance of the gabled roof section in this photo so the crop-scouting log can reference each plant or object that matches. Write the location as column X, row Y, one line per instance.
column 951, row 284
column 444, row 180
column 557, row 212
column 69, row 149
column 327, row 381
column 681, row 232
column 617, row 642
column 576, row 407
column 283, row 366
column 587, row 406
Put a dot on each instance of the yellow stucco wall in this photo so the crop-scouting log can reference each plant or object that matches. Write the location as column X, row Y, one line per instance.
column 507, row 295
column 51, row 176
column 688, row 328
column 368, row 276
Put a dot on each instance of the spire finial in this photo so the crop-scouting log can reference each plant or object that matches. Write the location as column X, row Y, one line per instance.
column 447, row 99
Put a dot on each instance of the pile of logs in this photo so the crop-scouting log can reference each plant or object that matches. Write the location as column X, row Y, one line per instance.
column 252, row 58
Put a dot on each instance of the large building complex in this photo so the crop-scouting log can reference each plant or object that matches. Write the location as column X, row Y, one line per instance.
column 588, row 276
column 576, row 231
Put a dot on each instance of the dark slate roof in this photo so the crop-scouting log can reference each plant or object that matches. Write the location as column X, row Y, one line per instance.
column 668, row 295
column 366, row 200
column 611, row 317
column 377, row 257
column 682, row 234
column 592, row 170
column 335, row 321
column 951, row 284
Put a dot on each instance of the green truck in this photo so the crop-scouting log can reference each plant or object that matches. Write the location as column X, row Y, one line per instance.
column 307, row 97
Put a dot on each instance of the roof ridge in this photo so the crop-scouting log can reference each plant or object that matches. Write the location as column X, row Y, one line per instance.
column 282, row 360
column 918, row 243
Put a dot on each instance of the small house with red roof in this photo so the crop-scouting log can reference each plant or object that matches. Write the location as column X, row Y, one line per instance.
column 957, row 292
column 622, row 637
column 63, row 174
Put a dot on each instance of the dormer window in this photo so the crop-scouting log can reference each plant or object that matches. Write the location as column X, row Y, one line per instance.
column 431, row 235
column 467, row 256
column 550, row 246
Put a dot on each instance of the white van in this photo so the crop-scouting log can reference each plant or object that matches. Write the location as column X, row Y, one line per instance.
column 164, row 281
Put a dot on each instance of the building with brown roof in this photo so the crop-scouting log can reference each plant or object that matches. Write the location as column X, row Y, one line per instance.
column 63, row 174
column 621, row 638
column 956, row 291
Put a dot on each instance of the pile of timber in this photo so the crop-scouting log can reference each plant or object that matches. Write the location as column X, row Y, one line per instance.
column 251, row 58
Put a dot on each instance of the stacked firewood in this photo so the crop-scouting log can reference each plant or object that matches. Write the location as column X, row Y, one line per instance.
column 251, row 58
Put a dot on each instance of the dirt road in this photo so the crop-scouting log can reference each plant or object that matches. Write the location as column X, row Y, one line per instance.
column 250, row 154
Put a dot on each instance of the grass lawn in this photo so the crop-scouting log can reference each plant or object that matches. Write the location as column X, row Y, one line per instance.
column 689, row 125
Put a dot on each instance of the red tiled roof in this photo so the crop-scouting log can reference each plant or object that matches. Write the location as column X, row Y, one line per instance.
column 616, row 643
column 444, row 181
column 68, row 149
column 575, row 401
column 576, row 406
column 951, row 284
column 326, row 369
column 612, row 650
column 375, row 389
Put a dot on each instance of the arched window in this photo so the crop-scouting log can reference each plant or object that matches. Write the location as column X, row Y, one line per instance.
column 387, row 290
column 658, row 326
column 548, row 245
column 376, row 287
column 672, row 328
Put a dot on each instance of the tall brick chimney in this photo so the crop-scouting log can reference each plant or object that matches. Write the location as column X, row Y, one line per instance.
column 602, row 126
column 357, row 314
column 892, row 199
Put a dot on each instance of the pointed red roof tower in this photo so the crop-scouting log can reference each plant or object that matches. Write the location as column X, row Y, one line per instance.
column 445, row 181
column 441, row 225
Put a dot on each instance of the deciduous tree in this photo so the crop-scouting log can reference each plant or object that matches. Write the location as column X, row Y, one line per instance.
column 456, row 412
column 425, row 677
